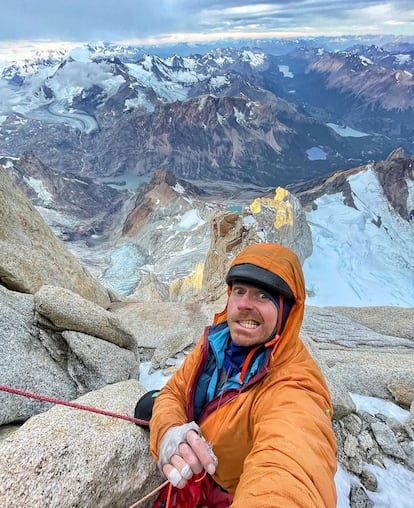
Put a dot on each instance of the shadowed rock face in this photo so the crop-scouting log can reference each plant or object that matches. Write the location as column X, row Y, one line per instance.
column 244, row 139
column 83, row 201
column 394, row 175
column 358, row 86
column 31, row 255
column 336, row 68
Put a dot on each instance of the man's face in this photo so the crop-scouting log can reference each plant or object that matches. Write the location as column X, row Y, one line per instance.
column 251, row 315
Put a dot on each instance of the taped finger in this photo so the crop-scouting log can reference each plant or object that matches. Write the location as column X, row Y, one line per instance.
column 186, row 472
column 174, row 477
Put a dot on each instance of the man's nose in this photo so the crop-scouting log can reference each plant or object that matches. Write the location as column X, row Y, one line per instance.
column 245, row 301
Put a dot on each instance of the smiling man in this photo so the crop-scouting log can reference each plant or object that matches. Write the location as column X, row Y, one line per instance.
column 246, row 420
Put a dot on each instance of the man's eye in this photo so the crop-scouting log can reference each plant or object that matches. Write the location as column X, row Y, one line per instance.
column 264, row 296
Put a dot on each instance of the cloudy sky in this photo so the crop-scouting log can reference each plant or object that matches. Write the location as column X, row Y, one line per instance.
column 198, row 20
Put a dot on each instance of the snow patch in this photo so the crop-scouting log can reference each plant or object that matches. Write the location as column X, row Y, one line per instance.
column 403, row 58
column 40, row 189
column 123, row 273
column 365, row 60
column 284, row 69
column 240, row 117
column 374, row 406
column 189, row 221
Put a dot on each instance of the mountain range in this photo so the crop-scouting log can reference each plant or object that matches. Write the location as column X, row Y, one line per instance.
column 287, row 113
column 152, row 168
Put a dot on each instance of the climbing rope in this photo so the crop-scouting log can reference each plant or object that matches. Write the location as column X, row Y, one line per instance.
column 152, row 493
column 75, row 405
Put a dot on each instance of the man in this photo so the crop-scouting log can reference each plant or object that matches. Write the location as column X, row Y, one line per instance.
column 246, row 420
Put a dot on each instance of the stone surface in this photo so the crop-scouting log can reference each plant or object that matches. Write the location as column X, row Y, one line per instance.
column 93, row 362
column 362, row 438
column 393, row 321
column 360, row 359
column 69, row 457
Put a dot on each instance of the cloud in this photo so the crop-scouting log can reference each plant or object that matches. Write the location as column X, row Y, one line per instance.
column 317, row 15
column 89, row 20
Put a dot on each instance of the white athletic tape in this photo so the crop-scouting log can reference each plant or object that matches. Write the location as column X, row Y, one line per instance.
column 186, row 472
column 174, row 477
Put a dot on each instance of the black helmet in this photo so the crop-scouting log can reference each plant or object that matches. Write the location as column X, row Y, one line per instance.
column 256, row 276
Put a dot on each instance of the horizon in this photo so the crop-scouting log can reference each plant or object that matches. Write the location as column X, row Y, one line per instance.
column 17, row 50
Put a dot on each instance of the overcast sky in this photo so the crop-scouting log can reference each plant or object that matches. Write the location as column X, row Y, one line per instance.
column 197, row 20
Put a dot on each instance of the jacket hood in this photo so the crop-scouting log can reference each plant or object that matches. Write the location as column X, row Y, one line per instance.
column 286, row 272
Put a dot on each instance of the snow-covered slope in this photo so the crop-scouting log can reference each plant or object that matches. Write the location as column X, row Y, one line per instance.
column 361, row 256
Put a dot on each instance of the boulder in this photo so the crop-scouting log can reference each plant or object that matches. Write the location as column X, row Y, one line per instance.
column 402, row 392
column 70, row 457
column 165, row 329
column 54, row 362
column 66, row 310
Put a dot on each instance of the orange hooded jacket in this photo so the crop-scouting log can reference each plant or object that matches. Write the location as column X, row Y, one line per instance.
column 273, row 438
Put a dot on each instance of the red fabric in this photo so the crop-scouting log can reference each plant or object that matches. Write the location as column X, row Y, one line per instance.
column 198, row 493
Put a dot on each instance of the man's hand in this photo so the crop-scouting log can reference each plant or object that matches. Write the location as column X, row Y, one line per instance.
column 183, row 453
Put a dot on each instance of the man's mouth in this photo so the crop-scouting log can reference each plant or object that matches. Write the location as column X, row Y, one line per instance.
column 248, row 323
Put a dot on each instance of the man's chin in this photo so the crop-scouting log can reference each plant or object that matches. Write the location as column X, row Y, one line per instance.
column 245, row 340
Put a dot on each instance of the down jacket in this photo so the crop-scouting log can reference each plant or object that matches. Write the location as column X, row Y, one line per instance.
column 273, row 436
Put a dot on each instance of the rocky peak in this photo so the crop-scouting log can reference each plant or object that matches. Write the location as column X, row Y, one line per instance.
column 163, row 176
column 200, row 136
column 277, row 219
column 396, row 174
column 398, row 153
column 162, row 191
column 335, row 183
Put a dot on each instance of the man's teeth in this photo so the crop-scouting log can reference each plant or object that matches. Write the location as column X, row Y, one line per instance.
column 249, row 324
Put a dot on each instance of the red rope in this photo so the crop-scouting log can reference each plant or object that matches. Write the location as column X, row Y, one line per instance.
column 75, row 405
